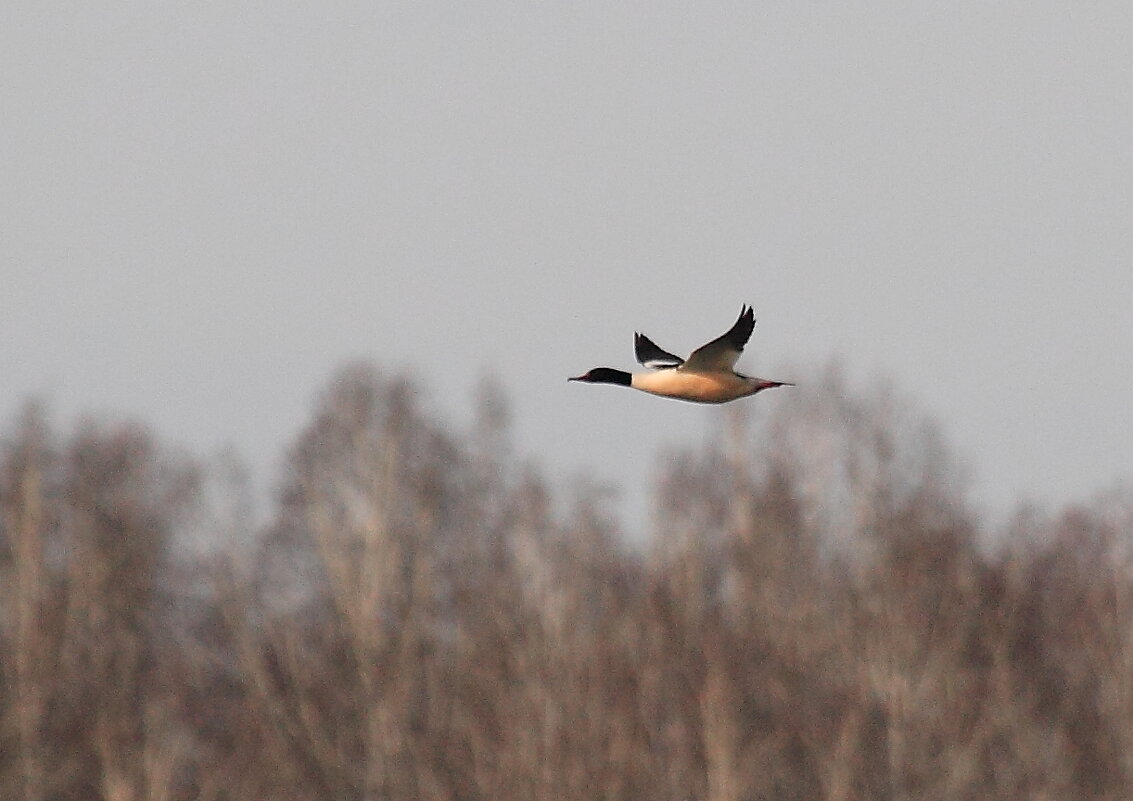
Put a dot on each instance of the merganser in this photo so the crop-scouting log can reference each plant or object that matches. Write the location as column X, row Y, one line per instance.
column 707, row 376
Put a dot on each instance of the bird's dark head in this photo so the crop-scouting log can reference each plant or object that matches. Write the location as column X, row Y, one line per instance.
column 604, row 375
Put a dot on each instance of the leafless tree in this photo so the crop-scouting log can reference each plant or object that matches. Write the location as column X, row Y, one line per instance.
column 818, row 615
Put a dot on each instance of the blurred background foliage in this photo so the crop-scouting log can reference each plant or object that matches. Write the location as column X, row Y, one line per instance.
column 817, row 613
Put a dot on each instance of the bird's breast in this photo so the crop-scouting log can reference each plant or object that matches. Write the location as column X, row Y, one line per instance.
column 692, row 386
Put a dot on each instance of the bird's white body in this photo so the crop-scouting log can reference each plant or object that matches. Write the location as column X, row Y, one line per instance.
column 697, row 386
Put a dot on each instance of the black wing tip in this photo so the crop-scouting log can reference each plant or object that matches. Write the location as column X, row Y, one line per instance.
column 741, row 331
column 651, row 355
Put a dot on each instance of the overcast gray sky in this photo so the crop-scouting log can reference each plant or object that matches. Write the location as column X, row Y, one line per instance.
column 207, row 208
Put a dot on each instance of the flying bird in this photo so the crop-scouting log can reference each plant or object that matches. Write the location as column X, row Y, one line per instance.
column 708, row 375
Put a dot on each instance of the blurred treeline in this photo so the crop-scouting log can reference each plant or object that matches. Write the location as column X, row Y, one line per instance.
column 817, row 614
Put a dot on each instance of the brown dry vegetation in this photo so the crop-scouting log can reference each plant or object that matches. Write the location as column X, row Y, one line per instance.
column 818, row 615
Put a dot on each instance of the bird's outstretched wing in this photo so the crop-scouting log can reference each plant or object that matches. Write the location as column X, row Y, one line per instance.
column 652, row 356
column 722, row 352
